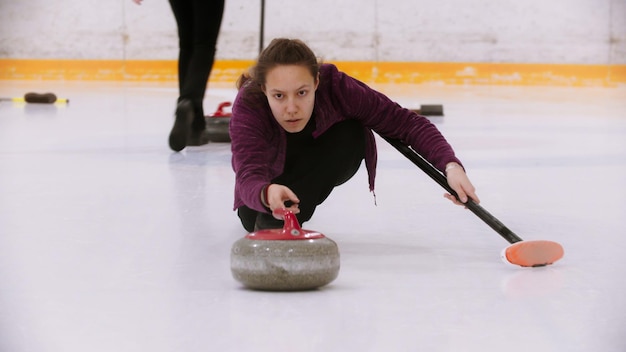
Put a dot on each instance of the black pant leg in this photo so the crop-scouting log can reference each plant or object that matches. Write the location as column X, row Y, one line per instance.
column 248, row 217
column 332, row 160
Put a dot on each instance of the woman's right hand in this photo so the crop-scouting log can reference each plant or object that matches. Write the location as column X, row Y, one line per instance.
column 277, row 195
column 460, row 183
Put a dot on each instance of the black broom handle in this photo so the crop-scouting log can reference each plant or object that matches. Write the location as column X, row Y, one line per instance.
column 441, row 179
column 262, row 27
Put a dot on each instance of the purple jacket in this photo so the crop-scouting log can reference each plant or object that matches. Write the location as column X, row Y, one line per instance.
column 258, row 142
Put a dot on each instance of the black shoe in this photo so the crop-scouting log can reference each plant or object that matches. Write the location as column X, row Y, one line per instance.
column 182, row 125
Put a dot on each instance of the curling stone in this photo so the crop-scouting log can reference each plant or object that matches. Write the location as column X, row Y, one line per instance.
column 287, row 259
column 217, row 124
column 38, row 98
column 429, row 110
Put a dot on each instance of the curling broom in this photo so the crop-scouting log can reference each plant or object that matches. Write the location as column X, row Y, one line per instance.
column 523, row 253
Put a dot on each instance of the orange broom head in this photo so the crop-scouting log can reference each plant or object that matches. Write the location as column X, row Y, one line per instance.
column 532, row 253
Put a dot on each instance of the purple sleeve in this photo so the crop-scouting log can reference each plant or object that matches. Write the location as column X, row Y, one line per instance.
column 389, row 119
column 252, row 154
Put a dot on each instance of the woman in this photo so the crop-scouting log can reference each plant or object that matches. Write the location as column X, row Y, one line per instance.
column 300, row 128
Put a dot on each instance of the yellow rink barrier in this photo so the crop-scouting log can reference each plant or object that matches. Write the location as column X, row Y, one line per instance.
column 369, row 72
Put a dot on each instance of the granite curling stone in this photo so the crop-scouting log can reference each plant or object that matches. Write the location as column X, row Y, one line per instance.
column 287, row 259
column 218, row 124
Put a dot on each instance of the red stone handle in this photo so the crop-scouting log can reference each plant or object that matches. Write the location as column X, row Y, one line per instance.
column 291, row 229
column 220, row 110
column 291, row 226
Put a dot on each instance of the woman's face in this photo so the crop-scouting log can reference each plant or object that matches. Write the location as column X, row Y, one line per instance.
column 290, row 91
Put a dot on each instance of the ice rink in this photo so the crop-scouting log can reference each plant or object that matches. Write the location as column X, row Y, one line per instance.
column 109, row 241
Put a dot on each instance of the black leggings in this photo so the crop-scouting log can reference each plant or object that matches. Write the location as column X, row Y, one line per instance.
column 332, row 160
column 198, row 23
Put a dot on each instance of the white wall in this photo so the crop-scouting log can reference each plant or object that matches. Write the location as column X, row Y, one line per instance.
column 526, row 31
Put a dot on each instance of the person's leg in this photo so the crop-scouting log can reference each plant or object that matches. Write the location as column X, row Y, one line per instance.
column 198, row 28
column 184, row 116
column 207, row 19
column 183, row 13
column 332, row 160
column 247, row 217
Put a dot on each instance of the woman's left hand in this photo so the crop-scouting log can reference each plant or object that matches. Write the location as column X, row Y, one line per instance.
column 460, row 183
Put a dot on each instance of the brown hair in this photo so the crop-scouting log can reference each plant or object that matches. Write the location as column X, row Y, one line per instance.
column 280, row 51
